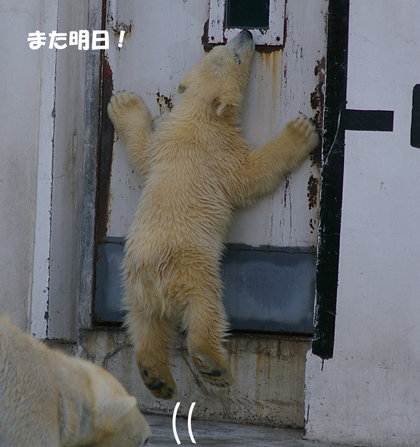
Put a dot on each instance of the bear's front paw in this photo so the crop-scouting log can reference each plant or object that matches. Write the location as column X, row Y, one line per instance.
column 125, row 108
column 161, row 386
column 304, row 134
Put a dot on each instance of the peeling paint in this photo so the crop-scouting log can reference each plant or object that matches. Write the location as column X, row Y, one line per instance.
column 164, row 103
column 313, row 187
column 312, row 225
column 268, row 48
column 117, row 26
column 317, row 96
column 105, row 159
column 205, row 38
column 286, row 191
column 317, row 103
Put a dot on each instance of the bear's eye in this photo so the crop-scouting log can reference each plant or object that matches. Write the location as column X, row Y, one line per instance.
column 237, row 59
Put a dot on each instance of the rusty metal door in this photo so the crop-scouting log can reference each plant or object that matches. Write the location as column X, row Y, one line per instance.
column 269, row 268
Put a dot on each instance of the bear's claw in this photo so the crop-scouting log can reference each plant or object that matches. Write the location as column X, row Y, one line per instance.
column 162, row 388
column 155, row 387
column 212, row 371
column 303, row 132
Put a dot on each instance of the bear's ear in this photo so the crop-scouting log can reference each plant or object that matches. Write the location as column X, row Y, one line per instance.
column 186, row 81
column 225, row 104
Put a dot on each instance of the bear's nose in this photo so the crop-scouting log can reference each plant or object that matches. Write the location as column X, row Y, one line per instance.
column 246, row 34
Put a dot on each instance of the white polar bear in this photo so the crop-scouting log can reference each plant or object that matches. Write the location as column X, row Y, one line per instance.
column 50, row 399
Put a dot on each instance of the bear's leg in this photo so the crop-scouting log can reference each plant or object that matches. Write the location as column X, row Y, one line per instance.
column 133, row 124
column 267, row 166
column 151, row 336
column 205, row 320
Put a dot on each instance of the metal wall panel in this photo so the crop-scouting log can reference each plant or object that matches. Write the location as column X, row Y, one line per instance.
column 265, row 288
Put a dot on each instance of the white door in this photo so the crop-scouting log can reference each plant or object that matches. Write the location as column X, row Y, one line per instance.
column 269, row 268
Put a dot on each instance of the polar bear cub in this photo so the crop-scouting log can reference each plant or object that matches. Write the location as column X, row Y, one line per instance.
column 50, row 399
column 198, row 169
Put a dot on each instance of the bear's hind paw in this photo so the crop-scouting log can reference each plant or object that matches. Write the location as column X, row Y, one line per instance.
column 211, row 372
column 160, row 387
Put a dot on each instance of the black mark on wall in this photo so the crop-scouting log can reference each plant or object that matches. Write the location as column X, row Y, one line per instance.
column 332, row 180
column 369, row 120
column 415, row 118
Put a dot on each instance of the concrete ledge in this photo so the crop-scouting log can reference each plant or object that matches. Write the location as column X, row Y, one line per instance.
column 268, row 371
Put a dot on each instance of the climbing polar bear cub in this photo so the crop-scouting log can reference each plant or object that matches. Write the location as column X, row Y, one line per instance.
column 50, row 399
column 197, row 169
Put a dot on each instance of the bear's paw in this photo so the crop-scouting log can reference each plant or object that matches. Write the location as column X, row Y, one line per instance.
column 215, row 372
column 302, row 132
column 125, row 108
column 161, row 386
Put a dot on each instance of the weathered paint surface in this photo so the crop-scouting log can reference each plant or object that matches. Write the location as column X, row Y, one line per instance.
column 268, row 387
column 368, row 393
column 20, row 96
column 283, row 83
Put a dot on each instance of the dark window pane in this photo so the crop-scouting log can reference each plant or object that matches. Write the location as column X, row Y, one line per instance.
column 247, row 13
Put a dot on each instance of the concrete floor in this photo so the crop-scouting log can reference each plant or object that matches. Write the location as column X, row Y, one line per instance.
column 222, row 434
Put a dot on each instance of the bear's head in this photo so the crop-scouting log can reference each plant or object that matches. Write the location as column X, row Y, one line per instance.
column 216, row 84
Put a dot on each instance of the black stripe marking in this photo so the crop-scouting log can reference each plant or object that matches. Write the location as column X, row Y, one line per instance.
column 415, row 118
column 369, row 120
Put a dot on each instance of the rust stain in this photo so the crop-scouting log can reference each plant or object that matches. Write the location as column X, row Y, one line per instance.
column 317, row 96
column 107, row 76
column 105, row 157
column 164, row 103
column 264, row 49
column 269, row 79
column 317, row 104
column 117, row 26
column 285, row 190
column 313, row 187
column 312, row 224
column 207, row 46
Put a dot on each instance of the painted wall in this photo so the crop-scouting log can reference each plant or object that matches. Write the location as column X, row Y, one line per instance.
column 19, row 110
column 42, row 116
column 368, row 394
column 283, row 83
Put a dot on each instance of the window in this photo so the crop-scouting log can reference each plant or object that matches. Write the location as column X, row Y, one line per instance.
column 265, row 18
column 247, row 13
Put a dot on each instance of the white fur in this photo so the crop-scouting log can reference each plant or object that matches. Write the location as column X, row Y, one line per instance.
column 50, row 399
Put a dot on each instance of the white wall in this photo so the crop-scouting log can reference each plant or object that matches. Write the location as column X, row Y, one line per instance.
column 66, row 199
column 369, row 393
column 19, row 110
column 42, row 119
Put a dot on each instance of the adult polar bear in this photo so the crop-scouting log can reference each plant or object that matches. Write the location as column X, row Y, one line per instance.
column 197, row 168
column 50, row 399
